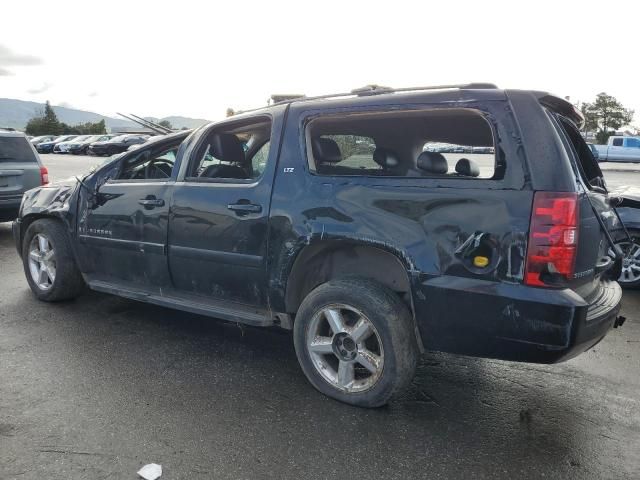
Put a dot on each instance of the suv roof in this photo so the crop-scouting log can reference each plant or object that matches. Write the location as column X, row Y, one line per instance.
column 432, row 94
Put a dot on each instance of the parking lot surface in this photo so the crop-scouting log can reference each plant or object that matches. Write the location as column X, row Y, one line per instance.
column 98, row 387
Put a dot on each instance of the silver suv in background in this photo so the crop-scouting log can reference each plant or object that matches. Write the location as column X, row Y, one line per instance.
column 20, row 170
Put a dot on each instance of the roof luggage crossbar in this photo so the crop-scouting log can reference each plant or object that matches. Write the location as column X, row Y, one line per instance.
column 370, row 90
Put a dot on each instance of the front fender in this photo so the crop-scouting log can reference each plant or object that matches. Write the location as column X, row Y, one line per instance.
column 52, row 201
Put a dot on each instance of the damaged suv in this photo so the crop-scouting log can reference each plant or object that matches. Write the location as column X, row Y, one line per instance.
column 374, row 224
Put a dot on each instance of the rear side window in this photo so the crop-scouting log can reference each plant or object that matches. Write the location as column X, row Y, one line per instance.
column 454, row 143
column 16, row 149
column 617, row 142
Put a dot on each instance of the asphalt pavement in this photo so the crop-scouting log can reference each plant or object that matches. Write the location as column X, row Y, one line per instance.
column 97, row 387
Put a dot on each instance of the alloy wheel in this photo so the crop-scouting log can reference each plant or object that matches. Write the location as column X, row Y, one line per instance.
column 630, row 261
column 345, row 348
column 42, row 262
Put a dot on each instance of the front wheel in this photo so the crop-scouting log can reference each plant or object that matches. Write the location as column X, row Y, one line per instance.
column 355, row 342
column 49, row 265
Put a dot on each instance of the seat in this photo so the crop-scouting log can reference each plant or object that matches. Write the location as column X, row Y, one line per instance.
column 326, row 153
column 388, row 160
column 467, row 168
column 433, row 163
column 227, row 148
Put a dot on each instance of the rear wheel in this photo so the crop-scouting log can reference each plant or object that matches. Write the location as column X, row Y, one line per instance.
column 355, row 342
column 49, row 265
column 630, row 275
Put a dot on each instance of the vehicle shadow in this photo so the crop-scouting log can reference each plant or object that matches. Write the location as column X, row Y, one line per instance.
column 207, row 384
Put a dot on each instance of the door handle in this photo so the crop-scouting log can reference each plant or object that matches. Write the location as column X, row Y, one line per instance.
column 151, row 202
column 245, row 208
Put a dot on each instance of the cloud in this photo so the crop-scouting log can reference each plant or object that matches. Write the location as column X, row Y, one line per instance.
column 93, row 94
column 45, row 86
column 11, row 59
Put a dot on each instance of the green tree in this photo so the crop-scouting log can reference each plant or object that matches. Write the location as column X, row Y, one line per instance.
column 590, row 119
column 50, row 120
column 45, row 122
column 606, row 115
column 165, row 124
column 88, row 128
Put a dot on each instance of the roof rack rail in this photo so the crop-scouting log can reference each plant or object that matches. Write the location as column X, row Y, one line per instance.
column 373, row 89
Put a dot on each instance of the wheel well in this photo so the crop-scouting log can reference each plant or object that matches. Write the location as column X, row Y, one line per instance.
column 29, row 219
column 325, row 261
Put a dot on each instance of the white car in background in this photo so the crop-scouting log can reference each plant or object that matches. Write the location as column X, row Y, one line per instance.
column 63, row 147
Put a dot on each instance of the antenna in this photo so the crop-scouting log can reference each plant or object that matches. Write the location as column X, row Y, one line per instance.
column 143, row 124
column 150, row 123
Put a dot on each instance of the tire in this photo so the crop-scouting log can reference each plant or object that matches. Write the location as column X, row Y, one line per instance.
column 390, row 345
column 63, row 279
column 630, row 276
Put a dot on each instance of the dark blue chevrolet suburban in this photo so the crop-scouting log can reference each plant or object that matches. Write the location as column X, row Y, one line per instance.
column 374, row 224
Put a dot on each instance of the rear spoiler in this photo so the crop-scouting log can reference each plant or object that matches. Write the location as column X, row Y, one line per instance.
column 562, row 107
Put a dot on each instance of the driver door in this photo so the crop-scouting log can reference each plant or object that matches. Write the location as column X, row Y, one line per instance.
column 123, row 231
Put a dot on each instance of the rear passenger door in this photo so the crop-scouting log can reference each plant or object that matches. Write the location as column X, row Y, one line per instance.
column 220, row 213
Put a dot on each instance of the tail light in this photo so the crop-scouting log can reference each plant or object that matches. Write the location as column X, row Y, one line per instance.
column 44, row 175
column 553, row 238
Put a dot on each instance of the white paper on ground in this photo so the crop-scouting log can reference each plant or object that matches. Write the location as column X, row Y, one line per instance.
column 151, row 471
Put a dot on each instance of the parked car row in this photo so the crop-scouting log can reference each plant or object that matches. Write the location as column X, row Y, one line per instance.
column 102, row 144
column 451, row 148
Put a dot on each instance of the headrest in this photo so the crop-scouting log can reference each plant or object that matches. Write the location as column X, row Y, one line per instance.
column 432, row 162
column 385, row 158
column 227, row 147
column 467, row 167
column 326, row 150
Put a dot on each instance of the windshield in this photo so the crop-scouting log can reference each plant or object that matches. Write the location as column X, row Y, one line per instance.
column 15, row 149
column 81, row 137
column 118, row 138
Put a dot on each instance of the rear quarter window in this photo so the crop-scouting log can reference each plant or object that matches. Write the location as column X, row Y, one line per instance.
column 445, row 143
column 16, row 149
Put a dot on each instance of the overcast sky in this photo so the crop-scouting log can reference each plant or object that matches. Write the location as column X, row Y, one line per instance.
column 196, row 58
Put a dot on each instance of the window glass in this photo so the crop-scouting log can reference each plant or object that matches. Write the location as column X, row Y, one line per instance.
column 357, row 151
column 483, row 157
column 443, row 143
column 226, row 154
column 617, row 142
column 150, row 165
column 633, row 142
column 15, row 149
column 588, row 167
column 259, row 160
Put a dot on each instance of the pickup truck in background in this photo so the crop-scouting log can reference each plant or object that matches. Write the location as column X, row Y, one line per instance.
column 619, row 149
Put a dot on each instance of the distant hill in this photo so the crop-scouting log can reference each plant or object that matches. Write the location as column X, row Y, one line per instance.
column 16, row 114
column 180, row 122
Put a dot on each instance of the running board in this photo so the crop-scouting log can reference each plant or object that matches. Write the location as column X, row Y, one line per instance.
column 232, row 312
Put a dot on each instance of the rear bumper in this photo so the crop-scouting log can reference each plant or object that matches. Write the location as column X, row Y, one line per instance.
column 512, row 321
